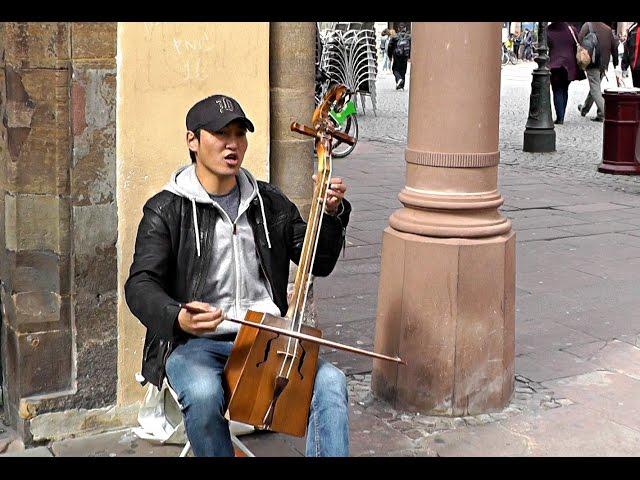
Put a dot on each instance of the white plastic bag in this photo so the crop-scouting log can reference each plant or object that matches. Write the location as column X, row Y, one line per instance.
column 160, row 416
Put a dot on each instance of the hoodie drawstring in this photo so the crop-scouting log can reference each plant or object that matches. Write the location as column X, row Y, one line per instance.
column 264, row 218
column 195, row 225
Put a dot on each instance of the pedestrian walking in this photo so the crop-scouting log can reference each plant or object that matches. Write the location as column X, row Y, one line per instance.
column 384, row 40
column 528, row 45
column 399, row 50
column 631, row 54
column 562, row 40
column 517, row 41
column 601, row 43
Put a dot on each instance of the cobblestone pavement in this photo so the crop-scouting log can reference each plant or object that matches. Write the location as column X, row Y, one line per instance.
column 529, row 397
column 577, row 326
column 578, row 140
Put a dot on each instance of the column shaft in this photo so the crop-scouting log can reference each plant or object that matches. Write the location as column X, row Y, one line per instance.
column 292, row 83
column 446, row 297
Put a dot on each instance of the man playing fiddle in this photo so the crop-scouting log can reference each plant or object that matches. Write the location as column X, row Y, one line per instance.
column 218, row 240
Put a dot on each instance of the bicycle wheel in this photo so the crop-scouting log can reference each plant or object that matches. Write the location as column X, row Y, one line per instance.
column 505, row 59
column 512, row 58
column 340, row 149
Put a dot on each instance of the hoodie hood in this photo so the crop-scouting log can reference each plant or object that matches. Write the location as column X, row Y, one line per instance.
column 185, row 183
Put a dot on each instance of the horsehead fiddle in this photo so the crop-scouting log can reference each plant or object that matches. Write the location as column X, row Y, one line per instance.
column 274, row 359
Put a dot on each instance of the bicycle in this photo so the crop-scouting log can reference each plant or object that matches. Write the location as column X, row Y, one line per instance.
column 508, row 56
column 344, row 120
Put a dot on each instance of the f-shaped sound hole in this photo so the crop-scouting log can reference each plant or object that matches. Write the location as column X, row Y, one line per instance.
column 304, row 352
column 267, row 349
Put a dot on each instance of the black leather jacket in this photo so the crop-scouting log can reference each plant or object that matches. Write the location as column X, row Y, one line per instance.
column 166, row 271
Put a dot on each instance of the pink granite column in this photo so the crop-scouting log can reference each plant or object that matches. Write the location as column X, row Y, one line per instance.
column 447, row 285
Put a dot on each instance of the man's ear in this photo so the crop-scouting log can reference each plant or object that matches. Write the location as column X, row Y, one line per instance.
column 192, row 141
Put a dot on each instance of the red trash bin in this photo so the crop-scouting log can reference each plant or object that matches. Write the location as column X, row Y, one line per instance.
column 621, row 139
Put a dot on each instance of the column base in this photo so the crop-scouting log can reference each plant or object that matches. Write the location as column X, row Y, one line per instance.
column 446, row 307
column 539, row 140
column 619, row 168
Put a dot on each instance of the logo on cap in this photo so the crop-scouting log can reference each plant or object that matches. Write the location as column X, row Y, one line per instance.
column 225, row 104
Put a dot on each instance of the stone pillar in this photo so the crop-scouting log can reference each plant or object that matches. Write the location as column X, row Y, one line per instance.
column 58, row 259
column 37, row 322
column 95, row 219
column 292, row 84
column 447, row 282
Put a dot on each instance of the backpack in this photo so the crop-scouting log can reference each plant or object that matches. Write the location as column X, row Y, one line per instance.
column 403, row 47
column 590, row 43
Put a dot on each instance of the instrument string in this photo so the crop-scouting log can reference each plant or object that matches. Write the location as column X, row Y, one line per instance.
column 325, row 183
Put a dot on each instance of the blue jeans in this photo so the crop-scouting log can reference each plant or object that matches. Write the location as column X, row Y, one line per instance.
column 194, row 371
column 560, row 88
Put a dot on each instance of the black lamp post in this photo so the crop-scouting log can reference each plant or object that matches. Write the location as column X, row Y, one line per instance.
column 539, row 135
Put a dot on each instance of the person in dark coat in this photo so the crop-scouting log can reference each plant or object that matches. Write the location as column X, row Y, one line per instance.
column 517, row 40
column 631, row 55
column 400, row 56
column 562, row 40
column 607, row 44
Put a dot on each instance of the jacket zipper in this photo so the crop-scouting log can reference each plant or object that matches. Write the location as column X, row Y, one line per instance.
column 264, row 272
column 261, row 261
column 236, row 266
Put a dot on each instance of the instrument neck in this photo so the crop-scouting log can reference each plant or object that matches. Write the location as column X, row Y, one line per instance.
column 309, row 246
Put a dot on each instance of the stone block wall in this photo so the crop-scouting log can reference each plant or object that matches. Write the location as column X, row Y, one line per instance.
column 58, row 222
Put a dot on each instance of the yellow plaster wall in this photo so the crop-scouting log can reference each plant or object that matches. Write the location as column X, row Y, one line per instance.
column 163, row 69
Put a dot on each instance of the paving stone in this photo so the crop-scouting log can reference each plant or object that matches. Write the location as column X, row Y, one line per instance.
column 612, row 268
column 269, row 444
column 123, row 443
column 539, row 336
column 556, row 280
column 30, row 452
column 379, row 439
column 487, row 440
column 613, row 396
column 543, row 221
column 539, row 234
column 592, row 207
column 552, row 364
column 8, row 439
column 598, row 228
column 414, row 434
column 604, row 322
column 499, row 416
column 564, row 431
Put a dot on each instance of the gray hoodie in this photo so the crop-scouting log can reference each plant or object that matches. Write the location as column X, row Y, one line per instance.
column 235, row 281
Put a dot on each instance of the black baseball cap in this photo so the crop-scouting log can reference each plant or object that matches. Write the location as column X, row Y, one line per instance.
column 214, row 113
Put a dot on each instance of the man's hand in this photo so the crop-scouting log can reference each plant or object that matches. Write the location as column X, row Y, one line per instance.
column 335, row 194
column 199, row 318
